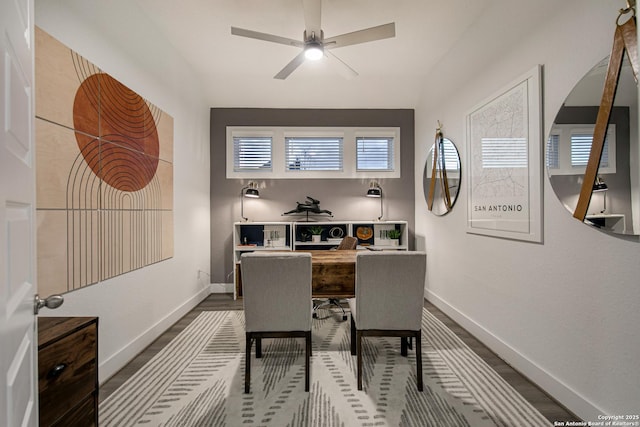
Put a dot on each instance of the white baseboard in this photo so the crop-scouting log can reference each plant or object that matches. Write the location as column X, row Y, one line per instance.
column 221, row 288
column 118, row 360
column 564, row 394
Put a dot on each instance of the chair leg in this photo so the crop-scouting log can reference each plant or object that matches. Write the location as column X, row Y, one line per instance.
column 258, row 348
column 419, row 359
column 353, row 336
column 359, row 357
column 403, row 346
column 307, row 361
column 247, row 364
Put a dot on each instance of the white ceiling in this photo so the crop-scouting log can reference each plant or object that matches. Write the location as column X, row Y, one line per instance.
column 393, row 73
column 239, row 71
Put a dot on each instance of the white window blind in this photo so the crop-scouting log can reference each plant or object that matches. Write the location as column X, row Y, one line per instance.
column 581, row 148
column 252, row 153
column 374, row 154
column 450, row 157
column 553, row 152
column 313, row 153
column 504, row 153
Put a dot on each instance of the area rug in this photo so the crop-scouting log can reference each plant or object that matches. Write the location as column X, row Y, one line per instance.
column 198, row 380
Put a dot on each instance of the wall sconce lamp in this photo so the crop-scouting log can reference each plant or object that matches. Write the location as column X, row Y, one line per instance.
column 375, row 191
column 601, row 187
column 251, row 191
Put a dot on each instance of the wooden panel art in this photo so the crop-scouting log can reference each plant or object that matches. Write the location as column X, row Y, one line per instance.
column 104, row 173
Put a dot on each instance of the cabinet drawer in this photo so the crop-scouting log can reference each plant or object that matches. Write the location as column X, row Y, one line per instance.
column 67, row 373
column 84, row 415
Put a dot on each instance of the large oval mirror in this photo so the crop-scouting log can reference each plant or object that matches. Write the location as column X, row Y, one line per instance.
column 615, row 200
column 445, row 183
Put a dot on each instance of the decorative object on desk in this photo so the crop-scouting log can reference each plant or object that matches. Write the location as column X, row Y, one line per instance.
column 364, row 233
column 336, row 232
column 310, row 206
column 607, row 151
column 316, row 233
column 174, row 389
column 394, row 236
column 251, row 191
column 275, row 236
column 375, row 191
column 441, row 175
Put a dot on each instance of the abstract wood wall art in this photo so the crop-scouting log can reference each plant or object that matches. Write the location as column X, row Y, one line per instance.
column 104, row 173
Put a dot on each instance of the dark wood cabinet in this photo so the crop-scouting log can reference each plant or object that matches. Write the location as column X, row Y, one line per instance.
column 68, row 371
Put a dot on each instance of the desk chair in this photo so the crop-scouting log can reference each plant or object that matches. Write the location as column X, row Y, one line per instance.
column 389, row 300
column 347, row 243
column 277, row 302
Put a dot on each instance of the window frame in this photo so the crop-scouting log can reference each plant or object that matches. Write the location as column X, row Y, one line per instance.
column 279, row 168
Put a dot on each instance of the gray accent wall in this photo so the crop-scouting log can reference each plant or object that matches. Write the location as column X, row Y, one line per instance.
column 345, row 198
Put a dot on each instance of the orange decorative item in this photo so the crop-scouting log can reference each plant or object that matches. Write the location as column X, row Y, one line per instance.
column 364, row 233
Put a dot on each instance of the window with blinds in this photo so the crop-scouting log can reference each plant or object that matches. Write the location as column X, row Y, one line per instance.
column 581, row 149
column 447, row 156
column 552, row 158
column 313, row 153
column 309, row 152
column 504, row 153
column 252, row 153
column 374, row 154
column 569, row 147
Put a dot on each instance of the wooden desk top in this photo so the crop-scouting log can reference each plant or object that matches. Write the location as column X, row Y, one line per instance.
column 332, row 257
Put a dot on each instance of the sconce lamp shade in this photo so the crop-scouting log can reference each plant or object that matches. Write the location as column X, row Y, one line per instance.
column 374, row 189
column 599, row 185
column 251, row 191
column 374, row 192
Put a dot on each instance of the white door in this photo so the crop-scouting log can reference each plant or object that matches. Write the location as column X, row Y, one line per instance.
column 18, row 388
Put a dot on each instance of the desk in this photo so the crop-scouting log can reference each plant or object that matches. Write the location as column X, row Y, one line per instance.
column 333, row 274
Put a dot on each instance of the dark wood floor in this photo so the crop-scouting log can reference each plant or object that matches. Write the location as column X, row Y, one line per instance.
column 540, row 400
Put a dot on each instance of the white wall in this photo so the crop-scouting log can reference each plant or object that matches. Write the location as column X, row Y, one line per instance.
column 565, row 321
column 135, row 307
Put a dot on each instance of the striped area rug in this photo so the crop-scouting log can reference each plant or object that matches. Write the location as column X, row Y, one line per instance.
column 198, row 380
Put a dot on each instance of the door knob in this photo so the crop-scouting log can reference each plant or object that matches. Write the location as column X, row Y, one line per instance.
column 51, row 302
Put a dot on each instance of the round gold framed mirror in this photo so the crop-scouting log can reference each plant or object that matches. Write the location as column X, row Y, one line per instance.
column 441, row 177
column 614, row 207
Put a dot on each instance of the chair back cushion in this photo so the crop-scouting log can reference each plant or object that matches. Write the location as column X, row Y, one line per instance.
column 390, row 289
column 276, row 290
column 347, row 243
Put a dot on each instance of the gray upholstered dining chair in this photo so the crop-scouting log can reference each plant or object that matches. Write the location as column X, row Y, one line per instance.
column 389, row 300
column 277, row 301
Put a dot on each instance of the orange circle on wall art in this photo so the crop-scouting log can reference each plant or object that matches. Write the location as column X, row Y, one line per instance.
column 126, row 154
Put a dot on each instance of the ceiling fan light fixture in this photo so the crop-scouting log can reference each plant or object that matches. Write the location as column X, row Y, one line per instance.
column 313, row 51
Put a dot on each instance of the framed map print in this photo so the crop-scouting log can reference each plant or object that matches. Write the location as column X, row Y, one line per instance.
column 504, row 151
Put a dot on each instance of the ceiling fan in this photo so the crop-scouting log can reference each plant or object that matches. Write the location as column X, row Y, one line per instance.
column 315, row 46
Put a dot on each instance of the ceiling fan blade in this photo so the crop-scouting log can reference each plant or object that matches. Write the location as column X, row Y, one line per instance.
column 290, row 67
column 312, row 17
column 265, row 37
column 342, row 66
column 362, row 36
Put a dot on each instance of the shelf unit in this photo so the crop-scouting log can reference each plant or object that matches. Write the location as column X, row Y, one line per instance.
column 291, row 236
